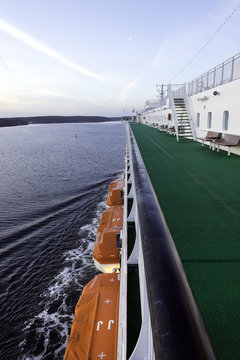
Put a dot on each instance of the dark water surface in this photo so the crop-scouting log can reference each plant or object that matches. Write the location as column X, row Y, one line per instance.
column 53, row 186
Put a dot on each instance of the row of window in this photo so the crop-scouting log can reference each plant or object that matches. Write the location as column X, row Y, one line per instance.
column 209, row 120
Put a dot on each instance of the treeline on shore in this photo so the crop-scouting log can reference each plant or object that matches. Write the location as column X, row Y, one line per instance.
column 16, row 121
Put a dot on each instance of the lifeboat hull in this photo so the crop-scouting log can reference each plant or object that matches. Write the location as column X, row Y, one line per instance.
column 95, row 325
column 115, row 193
column 108, row 243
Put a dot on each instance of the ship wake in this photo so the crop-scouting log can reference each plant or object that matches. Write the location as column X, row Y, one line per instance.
column 48, row 331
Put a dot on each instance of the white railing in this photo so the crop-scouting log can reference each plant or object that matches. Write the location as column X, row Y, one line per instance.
column 178, row 90
column 174, row 113
column 144, row 347
column 189, row 114
column 122, row 318
column 155, row 103
column 228, row 71
column 152, row 104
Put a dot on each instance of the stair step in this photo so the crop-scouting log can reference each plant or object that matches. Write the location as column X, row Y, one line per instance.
column 184, row 126
column 189, row 136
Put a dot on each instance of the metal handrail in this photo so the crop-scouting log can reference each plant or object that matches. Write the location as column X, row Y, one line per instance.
column 223, row 73
column 174, row 113
column 189, row 114
column 177, row 326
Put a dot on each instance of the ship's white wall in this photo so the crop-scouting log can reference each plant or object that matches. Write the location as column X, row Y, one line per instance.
column 156, row 117
column 202, row 103
column 227, row 100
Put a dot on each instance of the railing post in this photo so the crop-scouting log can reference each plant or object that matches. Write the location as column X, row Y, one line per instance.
column 232, row 69
column 222, row 74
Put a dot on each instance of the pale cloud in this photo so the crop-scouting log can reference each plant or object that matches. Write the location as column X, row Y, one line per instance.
column 128, row 87
column 34, row 43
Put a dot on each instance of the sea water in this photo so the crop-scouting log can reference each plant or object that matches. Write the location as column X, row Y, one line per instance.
column 53, row 185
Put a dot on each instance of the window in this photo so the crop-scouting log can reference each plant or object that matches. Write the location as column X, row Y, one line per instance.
column 225, row 120
column 198, row 120
column 209, row 120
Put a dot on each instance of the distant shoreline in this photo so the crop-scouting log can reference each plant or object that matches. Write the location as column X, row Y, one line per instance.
column 18, row 121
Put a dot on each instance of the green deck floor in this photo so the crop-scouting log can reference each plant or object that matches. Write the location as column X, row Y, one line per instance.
column 199, row 193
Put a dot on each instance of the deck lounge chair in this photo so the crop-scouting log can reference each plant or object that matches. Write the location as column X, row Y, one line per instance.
column 210, row 137
column 227, row 140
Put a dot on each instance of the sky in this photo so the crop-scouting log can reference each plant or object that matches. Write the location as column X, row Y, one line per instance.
column 105, row 57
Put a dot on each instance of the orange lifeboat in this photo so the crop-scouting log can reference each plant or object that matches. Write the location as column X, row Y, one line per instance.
column 107, row 244
column 115, row 192
column 95, row 325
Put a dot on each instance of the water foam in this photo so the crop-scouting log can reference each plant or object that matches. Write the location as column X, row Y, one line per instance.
column 50, row 327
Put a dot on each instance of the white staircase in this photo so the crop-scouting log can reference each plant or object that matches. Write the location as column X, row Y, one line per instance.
column 181, row 114
column 183, row 122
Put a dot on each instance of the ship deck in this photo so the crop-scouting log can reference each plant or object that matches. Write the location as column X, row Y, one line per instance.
column 198, row 191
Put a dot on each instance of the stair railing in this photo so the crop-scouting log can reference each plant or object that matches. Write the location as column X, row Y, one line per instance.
column 174, row 113
column 189, row 114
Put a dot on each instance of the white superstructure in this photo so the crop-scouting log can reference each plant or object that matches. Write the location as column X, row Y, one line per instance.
column 208, row 103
